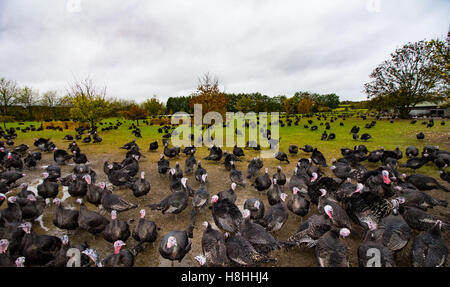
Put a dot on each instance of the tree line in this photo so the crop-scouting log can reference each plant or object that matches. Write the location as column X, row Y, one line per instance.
column 414, row 73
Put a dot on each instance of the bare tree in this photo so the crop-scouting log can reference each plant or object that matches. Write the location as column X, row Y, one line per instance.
column 86, row 88
column 50, row 99
column 28, row 98
column 8, row 95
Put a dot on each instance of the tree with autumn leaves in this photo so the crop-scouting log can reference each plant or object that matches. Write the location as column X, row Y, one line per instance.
column 210, row 96
column 135, row 113
column 415, row 73
column 305, row 106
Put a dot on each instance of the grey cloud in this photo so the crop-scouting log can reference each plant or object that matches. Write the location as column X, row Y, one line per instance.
column 141, row 48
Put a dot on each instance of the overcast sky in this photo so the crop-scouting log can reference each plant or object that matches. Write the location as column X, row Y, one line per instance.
column 144, row 48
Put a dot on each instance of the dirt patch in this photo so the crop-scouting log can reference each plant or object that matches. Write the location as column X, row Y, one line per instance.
column 218, row 180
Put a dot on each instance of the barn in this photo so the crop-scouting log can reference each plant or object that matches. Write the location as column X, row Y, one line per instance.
column 441, row 109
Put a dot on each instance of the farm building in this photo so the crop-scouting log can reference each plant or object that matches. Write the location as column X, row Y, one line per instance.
column 431, row 109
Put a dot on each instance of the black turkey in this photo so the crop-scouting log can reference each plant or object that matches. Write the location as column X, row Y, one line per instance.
column 429, row 249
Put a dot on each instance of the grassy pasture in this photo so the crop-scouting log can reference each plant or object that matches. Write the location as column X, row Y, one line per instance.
column 384, row 134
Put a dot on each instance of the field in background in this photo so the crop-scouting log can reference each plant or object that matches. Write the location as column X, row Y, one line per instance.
column 384, row 134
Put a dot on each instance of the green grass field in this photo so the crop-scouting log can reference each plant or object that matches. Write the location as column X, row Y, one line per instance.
column 384, row 133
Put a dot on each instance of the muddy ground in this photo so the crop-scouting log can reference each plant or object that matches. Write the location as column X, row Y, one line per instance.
column 218, row 180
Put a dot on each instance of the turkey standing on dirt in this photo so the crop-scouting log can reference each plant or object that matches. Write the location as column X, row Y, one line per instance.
column 181, row 185
column 276, row 216
column 30, row 161
column 393, row 231
column 190, row 163
column 307, row 148
column 342, row 170
column 189, row 150
column 293, row 149
column 176, row 172
column 258, row 237
column 174, row 203
column 229, row 193
column 273, row 194
column 32, row 207
column 263, row 182
column 444, row 175
column 236, row 175
column 199, row 172
column 64, row 218
column 90, row 221
column 61, row 257
column 47, row 189
column 429, row 249
column 228, row 158
column 318, row 158
column 415, row 162
column 331, row 251
column 199, row 199
column 311, row 230
column 280, row 177
column 335, row 212
column 412, row 151
column 256, row 207
column 112, row 201
column 121, row 258
column 93, row 193
column 129, row 145
column 77, row 186
column 214, row 154
column 131, row 165
column 9, row 177
column 13, row 160
column 300, row 180
column 281, row 156
column 298, row 204
column 79, row 158
column 41, row 143
column 423, row 182
column 174, row 245
column 226, row 214
column 237, row 151
column 54, row 172
column 213, row 247
column 145, row 230
column 61, row 156
column 5, row 258
column 38, row 249
column 163, row 165
column 141, row 186
column 12, row 213
column 419, row 219
column 372, row 253
column 118, row 177
column 116, row 229
column 24, row 192
column 171, row 152
column 242, row 253
column 419, row 199
column 153, row 146
column 253, row 167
